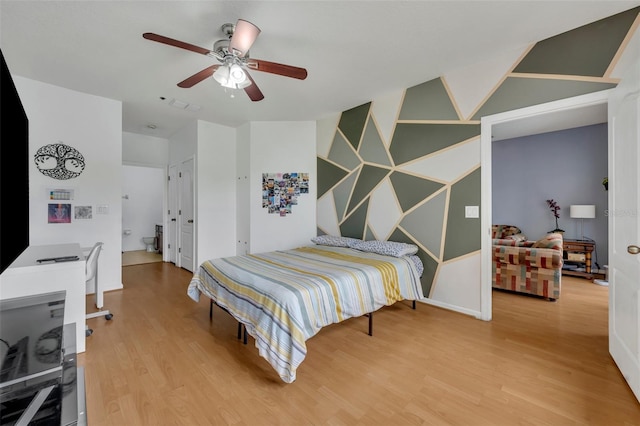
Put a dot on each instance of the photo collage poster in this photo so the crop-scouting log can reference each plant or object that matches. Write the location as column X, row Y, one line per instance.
column 280, row 191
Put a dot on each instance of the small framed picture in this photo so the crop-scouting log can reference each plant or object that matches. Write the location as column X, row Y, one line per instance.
column 59, row 213
column 83, row 212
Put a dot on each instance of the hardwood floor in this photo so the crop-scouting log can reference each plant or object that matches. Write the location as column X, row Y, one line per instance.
column 138, row 257
column 160, row 361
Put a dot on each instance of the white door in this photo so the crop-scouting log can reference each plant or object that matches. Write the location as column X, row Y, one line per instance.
column 624, row 226
column 186, row 215
column 172, row 232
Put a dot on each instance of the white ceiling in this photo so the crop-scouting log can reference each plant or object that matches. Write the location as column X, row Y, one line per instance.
column 354, row 51
column 551, row 122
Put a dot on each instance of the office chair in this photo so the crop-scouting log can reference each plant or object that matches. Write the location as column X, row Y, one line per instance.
column 91, row 270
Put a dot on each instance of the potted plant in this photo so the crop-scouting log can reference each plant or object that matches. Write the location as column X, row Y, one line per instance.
column 605, row 183
column 555, row 209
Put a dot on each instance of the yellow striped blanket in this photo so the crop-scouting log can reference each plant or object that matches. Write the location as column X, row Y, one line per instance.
column 285, row 297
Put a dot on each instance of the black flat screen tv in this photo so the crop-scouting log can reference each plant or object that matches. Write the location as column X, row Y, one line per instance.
column 14, row 171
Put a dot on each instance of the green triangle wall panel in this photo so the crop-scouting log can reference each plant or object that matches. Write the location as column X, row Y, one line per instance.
column 463, row 234
column 429, row 274
column 341, row 195
column 428, row 101
column 401, row 237
column 584, row 51
column 352, row 123
column 342, row 154
column 429, row 263
column 369, row 235
column 410, row 190
column 414, row 140
column 372, row 148
column 425, row 223
column 517, row 92
column 328, row 175
column 354, row 225
column 369, row 177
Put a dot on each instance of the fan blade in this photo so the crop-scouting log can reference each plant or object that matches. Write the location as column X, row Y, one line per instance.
column 253, row 91
column 198, row 77
column 176, row 43
column 243, row 37
column 275, row 68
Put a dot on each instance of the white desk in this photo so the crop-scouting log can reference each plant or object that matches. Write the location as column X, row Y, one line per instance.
column 26, row 277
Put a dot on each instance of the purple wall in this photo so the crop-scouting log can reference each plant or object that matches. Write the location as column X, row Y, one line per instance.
column 567, row 166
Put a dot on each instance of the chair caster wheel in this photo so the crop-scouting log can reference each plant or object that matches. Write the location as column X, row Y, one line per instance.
column 88, row 332
column 108, row 316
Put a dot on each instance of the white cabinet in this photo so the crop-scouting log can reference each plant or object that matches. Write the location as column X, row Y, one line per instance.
column 26, row 277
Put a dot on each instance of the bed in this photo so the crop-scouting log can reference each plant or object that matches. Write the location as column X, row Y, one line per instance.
column 283, row 298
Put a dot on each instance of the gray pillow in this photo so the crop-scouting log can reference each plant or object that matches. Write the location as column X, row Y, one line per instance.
column 334, row 241
column 388, row 248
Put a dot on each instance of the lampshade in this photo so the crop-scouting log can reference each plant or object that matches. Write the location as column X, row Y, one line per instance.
column 244, row 35
column 582, row 211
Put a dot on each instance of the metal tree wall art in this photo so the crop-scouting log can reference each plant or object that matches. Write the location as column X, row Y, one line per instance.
column 59, row 161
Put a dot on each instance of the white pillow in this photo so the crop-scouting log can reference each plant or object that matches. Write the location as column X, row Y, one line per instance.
column 388, row 248
column 516, row 237
column 334, row 241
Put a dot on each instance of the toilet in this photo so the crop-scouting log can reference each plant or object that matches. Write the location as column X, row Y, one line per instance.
column 151, row 243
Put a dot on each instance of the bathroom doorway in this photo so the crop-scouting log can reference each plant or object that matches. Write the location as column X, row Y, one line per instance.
column 142, row 219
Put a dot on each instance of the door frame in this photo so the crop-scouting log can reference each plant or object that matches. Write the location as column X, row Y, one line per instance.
column 165, row 195
column 486, row 195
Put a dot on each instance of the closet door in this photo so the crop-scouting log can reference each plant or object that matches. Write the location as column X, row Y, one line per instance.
column 186, row 214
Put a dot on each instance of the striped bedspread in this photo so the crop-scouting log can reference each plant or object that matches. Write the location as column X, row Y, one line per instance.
column 285, row 297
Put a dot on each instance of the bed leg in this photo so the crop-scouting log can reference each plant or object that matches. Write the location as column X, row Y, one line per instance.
column 371, row 324
column 242, row 333
column 413, row 304
column 210, row 308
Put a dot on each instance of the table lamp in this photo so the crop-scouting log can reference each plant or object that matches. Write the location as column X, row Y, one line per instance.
column 582, row 212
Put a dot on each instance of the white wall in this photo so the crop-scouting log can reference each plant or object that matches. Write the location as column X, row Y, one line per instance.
column 215, row 191
column 182, row 144
column 243, row 173
column 143, row 150
column 143, row 195
column 282, row 147
column 92, row 125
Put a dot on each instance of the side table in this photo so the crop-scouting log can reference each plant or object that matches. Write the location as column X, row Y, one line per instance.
column 582, row 247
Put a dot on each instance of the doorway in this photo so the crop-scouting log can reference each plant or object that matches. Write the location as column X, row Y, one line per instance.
column 142, row 219
column 538, row 113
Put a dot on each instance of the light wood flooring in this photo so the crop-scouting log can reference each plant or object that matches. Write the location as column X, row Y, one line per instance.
column 160, row 361
column 138, row 257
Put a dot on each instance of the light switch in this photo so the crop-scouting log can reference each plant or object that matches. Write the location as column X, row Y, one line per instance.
column 471, row 211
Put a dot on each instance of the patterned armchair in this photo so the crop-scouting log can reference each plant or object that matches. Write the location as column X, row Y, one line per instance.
column 531, row 267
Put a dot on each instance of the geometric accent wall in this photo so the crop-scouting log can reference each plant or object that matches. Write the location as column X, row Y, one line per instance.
column 412, row 186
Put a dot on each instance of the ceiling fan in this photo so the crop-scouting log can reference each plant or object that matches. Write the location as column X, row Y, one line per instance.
column 233, row 55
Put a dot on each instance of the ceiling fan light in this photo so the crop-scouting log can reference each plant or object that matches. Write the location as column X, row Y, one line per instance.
column 231, row 76
column 222, row 75
column 237, row 74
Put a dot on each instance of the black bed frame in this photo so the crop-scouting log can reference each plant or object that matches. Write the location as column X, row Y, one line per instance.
column 242, row 330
